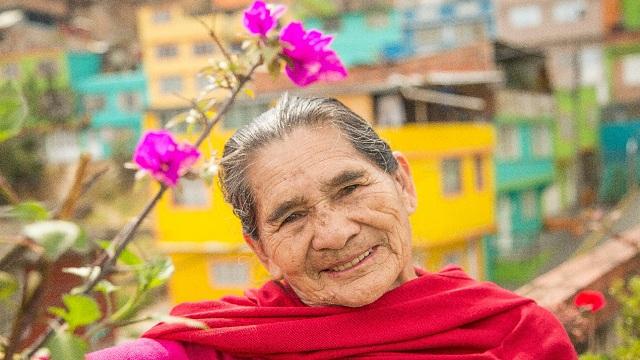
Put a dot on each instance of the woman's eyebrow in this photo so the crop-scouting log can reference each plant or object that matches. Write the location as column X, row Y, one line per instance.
column 342, row 178
column 283, row 208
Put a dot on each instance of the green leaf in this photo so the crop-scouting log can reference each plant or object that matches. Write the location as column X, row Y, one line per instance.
column 66, row 346
column 80, row 310
column 55, row 236
column 155, row 274
column 13, row 111
column 30, row 211
column 8, row 285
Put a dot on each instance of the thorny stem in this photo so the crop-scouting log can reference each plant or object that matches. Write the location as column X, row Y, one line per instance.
column 107, row 261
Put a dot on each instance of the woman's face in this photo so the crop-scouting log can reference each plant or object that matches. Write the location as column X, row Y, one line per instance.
column 330, row 222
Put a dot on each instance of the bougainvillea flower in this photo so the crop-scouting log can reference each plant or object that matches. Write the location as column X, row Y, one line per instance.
column 159, row 154
column 309, row 55
column 260, row 17
column 590, row 300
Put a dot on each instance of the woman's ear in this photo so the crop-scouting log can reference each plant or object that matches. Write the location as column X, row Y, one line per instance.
column 258, row 248
column 405, row 180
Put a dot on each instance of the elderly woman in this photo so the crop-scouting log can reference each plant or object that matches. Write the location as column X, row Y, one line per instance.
column 325, row 204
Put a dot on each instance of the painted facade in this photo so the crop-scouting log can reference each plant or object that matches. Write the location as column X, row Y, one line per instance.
column 619, row 140
column 115, row 103
column 176, row 46
column 361, row 37
column 525, row 170
column 440, row 25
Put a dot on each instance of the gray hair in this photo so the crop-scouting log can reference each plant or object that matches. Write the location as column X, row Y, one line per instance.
column 290, row 113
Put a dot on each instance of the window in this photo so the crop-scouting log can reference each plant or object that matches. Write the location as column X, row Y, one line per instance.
column 453, row 257
column 451, row 176
column 170, row 84
column 390, row 110
column 191, row 193
column 161, row 16
column 630, row 72
column 591, row 65
column 130, row 102
column 333, row 23
column 229, row 273
column 203, row 48
column 377, row 19
column 508, row 143
column 166, row 51
column 427, row 13
column 48, row 68
column 569, row 11
column 11, row 71
column 505, row 241
column 525, row 16
column 468, row 9
column 529, row 205
column 61, row 147
column 479, row 171
column 428, row 37
column 541, row 141
column 94, row 103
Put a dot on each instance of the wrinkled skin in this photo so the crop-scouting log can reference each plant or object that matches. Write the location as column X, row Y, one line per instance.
column 320, row 205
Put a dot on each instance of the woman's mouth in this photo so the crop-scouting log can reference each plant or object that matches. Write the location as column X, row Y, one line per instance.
column 353, row 263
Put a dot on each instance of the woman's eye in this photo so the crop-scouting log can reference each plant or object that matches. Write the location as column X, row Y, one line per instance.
column 292, row 217
column 348, row 189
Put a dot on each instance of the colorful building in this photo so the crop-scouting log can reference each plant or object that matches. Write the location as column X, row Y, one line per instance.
column 176, row 45
column 619, row 141
column 571, row 35
column 431, row 27
column 362, row 34
column 524, row 167
column 115, row 103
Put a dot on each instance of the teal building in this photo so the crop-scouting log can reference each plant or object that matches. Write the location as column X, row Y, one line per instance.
column 115, row 104
column 361, row 36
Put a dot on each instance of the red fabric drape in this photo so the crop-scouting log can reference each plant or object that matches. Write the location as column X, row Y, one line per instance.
column 444, row 315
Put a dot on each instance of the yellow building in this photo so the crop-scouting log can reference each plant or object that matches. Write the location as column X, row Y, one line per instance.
column 176, row 45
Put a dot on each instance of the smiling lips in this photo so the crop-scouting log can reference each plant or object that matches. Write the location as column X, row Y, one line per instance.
column 352, row 263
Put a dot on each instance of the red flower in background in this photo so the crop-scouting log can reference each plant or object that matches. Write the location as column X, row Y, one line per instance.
column 166, row 160
column 590, row 300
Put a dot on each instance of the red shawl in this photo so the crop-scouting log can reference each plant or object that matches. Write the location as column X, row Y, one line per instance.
column 442, row 316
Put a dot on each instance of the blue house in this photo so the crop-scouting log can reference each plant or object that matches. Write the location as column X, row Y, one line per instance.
column 361, row 35
column 440, row 25
column 115, row 103
column 619, row 142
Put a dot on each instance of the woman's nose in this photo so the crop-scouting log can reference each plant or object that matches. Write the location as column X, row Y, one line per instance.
column 333, row 228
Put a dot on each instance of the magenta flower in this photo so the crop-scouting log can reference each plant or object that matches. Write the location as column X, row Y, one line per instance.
column 260, row 17
column 158, row 153
column 310, row 58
